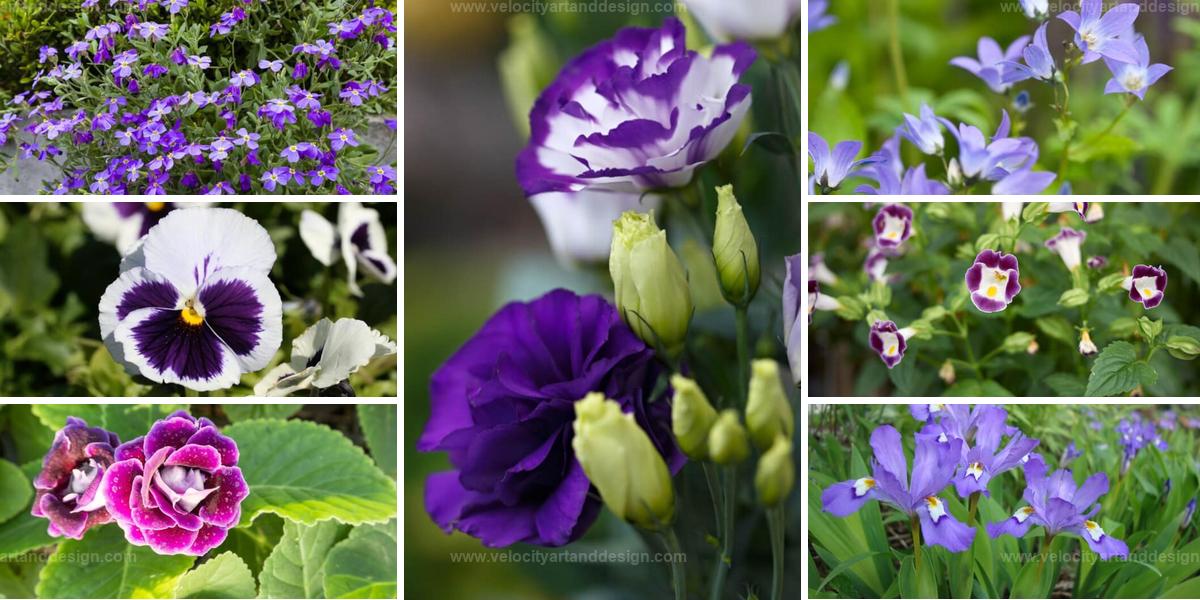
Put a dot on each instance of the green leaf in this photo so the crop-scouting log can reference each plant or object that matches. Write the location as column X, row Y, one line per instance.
column 972, row 387
column 917, row 584
column 771, row 141
column 1187, row 589
column 1149, row 328
column 224, row 576
column 296, row 567
column 1032, row 582
column 378, row 422
column 19, row 579
column 1183, row 254
column 1073, row 297
column 15, row 490
column 1034, row 211
column 104, row 565
column 24, row 276
column 255, row 542
column 23, row 533
column 1058, row 328
column 364, row 564
column 1117, row 371
column 126, row 420
column 1110, row 145
column 245, row 412
column 834, row 572
column 308, row 473
column 1065, row 384
column 30, row 437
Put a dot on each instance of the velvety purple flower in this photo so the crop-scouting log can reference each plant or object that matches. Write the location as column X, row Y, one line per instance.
column 992, row 64
column 925, row 133
column 657, row 135
column 154, row 70
column 1134, row 78
column 174, row 6
column 933, row 467
column 1059, row 506
column 1039, row 63
column 245, row 78
column 340, row 138
column 1147, row 285
column 993, row 280
column 177, row 489
column 1067, row 244
column 178, row 57
column 892, row 225
column 829, row 169
column 1099, row 34
column 888, row 342
column 494, row 398
column 69, row 490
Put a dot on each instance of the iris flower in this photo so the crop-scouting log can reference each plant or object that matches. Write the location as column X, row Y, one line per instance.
column 986, row 459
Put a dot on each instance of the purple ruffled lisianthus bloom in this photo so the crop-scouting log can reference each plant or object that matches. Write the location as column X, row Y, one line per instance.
column 1134, row 78
column 636, row 112
column 69, row 492
column 1067, row 244
column 932, row 469
column 1057, row 505
column 892, row 225
column 503, row 408
column 888, row 342
column 1147, row 286
column 176, row 489
column 993, row 63
column 1100, row 34
column 993, row 280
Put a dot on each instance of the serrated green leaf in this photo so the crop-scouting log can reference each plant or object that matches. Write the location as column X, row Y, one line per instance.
column 246, row 412
column 126, row 420
column 225, row 576
column 104, row 565
column 15, row 490
column 364, row 564
column 378, row 422
column 308, row 473
column 1117, row 371
column 296, row 567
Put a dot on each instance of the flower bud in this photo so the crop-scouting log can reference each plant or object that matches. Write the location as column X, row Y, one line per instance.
column 1086, row 346
column 691, row 417
column 1017, row 342
column 727, row 439
column 649, row 281
column 734, row 250
column 1032, row 348
column 954, row 175
column 776, row 473
column 1183, row 347
column 621, row 461
column 946, row 373
column 768, row 412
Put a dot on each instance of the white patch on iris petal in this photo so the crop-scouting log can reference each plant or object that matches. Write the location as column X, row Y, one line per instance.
column 1025, row 459
column 937, row 508
column 975, row 470
column 1023, row 513
column 1093, row 530
column 862, row 486
column 891, row 343
column 893, row 227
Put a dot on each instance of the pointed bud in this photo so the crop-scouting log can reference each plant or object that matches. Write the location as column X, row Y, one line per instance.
column 649, row 281
column 776, row 473
column 691, row 417
column 727, row 440
column 768, row 412
column 954, row 176
column 621, row 461
column 734, row 250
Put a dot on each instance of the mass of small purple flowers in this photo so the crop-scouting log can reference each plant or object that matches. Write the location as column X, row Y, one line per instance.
column 150, row 102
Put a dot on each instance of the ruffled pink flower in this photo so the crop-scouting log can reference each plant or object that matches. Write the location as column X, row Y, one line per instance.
column 69, row 490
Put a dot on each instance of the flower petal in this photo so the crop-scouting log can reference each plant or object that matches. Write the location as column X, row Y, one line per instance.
column 226, row 447
column 223, row 507
column 190, row 244
column 242, row 307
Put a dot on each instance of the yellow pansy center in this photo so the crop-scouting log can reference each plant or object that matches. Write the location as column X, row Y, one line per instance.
column 155, row 206
column 190, row 315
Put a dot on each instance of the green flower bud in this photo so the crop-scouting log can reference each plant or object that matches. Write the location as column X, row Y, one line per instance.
column 1149, row 328
column 1035, row 211
column 934, row 313
column 1110, row 282
column 1073, row 297
column 851, row 308
column 1183, row 347
column 727, row 440
column 776, row 473
column 621, row 461
column 876, row 315
column 649, row 281
column 768, row 412
column 879, row 295
column 691, row 417
column 734, row 250
column 1018, row 342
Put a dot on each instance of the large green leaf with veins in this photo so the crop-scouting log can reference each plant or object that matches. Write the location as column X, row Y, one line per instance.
column 364, row 564
column 104, row 565
column 296, row 567
column 225, row 576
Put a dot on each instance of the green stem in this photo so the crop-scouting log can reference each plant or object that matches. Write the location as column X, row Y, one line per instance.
column 713, row 493
column 678, row 577
column 969, row 581
column 915, row 526
column 725, row 560
column 775, row 525
column 1042, row 559
column 896, row 50
column 1065, row 112
column 974, row 506
column 743, row 351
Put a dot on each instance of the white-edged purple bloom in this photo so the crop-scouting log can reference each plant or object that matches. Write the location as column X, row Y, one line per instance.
column 1100, row 34
column 875, row 265
column 986, row 459
column 992, row 280
column 817, row 19
column 817, row 300
column 579, row 224
column 889, row 342
column 325, row 356
column 925, row 133
column 1067, row 244
column 892, row 225
column 817, row 269
column 1097, row 262
column 1039, row 63
column 991, row 64
column 194, row 303
column 750, row 20
column 1036, row 9
column 933, row 467
column 1147, row 285
column 1059, row 506
column 1079, row 208
column 829, row 169
column 360, row 238
column 636, row 112
column 1134, row 78
column 791, row 312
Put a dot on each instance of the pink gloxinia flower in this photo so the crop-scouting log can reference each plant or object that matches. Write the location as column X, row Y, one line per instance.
column 69, row 490
column 992, row 280
column 176, row 489
column 1147, row 285
column 893, row 225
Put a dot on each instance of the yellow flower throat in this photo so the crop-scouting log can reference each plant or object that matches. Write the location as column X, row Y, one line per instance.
column 190, row 316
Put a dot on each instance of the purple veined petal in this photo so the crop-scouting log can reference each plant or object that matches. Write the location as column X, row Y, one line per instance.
column 940, row 528
column 165, row 349
column 1120, row 50
column 134, row 289
column 889, row 453
column 818, row 149
column 190, row 244
column 243, row 310
column 845, row 498
column 223, row 508
column 1017, row 525
column 172, row 432
column 1103, row 544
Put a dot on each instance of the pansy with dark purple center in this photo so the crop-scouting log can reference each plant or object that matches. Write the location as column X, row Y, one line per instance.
column 1147, row 285
column 993, row 280
column 68, row 488
column 888, row 341
column 892, row 225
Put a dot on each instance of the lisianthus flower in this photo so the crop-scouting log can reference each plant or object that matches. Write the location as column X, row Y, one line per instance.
column 817, row 269
column 992, row 64
column 193, row 304
column 579, row 224
column 1147, row 285
column 324, row 357
column 817, row 19
column 1058, row 506
column 889, row 342
column 791, row 313
column 1099, row 34
column 504, row 415
column 750, row 20
column 177, row 489
column 1039, row 63
column 925, row 133
column 122, row 224
column 1134, row 78
column 1067, row 244
column 68, row 490
column 360, row 238
column 892, row 225
column 829, row 169
column 992, row 280
column 819, row 301
column 932, row 469
column 639, row 111
column 1036, row 9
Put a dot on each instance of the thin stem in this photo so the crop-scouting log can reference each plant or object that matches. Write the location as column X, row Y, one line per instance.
column 743, row 350
column 1042, row 559
column 713, row 493
column 725, row 560
column 915, row 526
column 678, row 577
column 775, row 525
column 969, row 581
column 974, row 506
column 896, row 50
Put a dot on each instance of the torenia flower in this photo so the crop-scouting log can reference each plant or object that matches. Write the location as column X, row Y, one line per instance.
column 622, row 462
column 932, row 469
column 1134, row 78
column 359, row 236
column 992, row 64
column 692, row 417
column 925, row 133
column 768, row 412
column 734, row 250
column 324, row 357
column 122, row 224
column 1086, row 346
column 579, row 224
column 817, row 300
column 1067, row 244
column 875, row 265
column 1099, row 34
column 178, row 488
column 194, row 304
column 791, row 311
column 992, row 280
column 775, row 475
column 1058, row 506
column 1147, row 285
column 889, row 342
column 1080, row 208
column 750, row 20
column 1097, row 262
column 818, row 270
column 892, row 225
column 1039, row 63
column 649, row 283
column 829, row 169
column 68, row 489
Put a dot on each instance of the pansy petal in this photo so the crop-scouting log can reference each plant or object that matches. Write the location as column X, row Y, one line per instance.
column 167, row 350
column 134, row 289
column 190, row 244
column 242, row 307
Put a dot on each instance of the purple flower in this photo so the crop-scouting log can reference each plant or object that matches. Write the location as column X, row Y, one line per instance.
column 247, row 139
column 304, row 99
column 792, row 290
column 1004, row 160
column 245, row 78
column 1147, row 285
column 353, row 93
column 294, row 152
column 1103, row 35
column 579, row 139
column 150, row 31
column 1058, row 506
column 321, row 174
column 178, row 488
column 46, row 53
column 69, row 490
column 818, row 301
column 1067, row 244
column 986, row 459
column 892, row 225
column 992, row 64
column 275, row 177
column 1039, row 63
column 274, row 66
column 817, row 19
column 914, row 183
column 154, row 70
column 1134, row 78
column 1188, row 512
column 933, row 467
column 992, row 280
column 300, row 71
column 1069, row 454
column 123, row 64
column 340, row 138
column 77, row 48
column 888, row 342
column 178, row 57
column 174, row 6
column 829, row 169
column 875, row 265
column 346, row 30
column 925, row 133
column 530, row 488
column 200, row 62
column 320, row 118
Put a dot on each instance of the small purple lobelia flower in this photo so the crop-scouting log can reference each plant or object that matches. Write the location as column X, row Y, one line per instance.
column 830, row 168
column 68, row 489
column 178, row 488
column 888, row 342
column 1134, row 78
column 504, row 414
column 892, row 225
column 933, row 467
column 992, row 64
column 1058, row 506
column 1147, row 285
column 992, row 280
column 1067, row 244
column 1099, row 34
column 1039, row 63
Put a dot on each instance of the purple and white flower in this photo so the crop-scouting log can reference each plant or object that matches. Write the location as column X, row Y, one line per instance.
column 892, row 225
column 791, row 312
column 1099, row 34
column 122, row 224
column 992, row 64
column 829, row 169
column 1039, row 63
column 324, row 357
column 750, row 20
column 244, row 78
column 1147, row 285
column 817, row 300
column 986, row 459
column 925, row 133
column 817, row 269
column 1067, row 244
column 1080, row 208
column 1097, row 262
column 889, row 342
column 1134, row 78
column 579, row 224
column 992, row 280
column 359, row 237
column 875, row 265
column 68, row 490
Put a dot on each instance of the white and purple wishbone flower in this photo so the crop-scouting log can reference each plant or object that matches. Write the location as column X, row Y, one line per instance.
column 992, row 280
column 359, row 237
column 1039, row 63
column 1100, row 34
column 889, row 342
column 324, row 356
column 991, row 66
column 194, row 303
column 122, row 224
column 639, row 111
column 1067, row 244
column 831, row 168
column 875, row 265
column 1134, row 78
column 1079, row 208
column 1147, row 285
column 892, row 225
column 817, row 300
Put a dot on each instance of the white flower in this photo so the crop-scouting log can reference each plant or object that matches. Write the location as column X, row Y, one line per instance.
column 324, row 356
column 359, row 237
column 122, row 224
column 750, row 20
column 579, row 225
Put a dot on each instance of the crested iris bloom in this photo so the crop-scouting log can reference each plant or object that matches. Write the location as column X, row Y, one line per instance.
column 892, row 225
column 791, row 312
column 1067, row 244
column 1099, row 34
column 359, row 237
column 1058, row 506
column 889, row 342
column 932, row 469
column 925, row 133
column 992, row 280
column 324, row 356
column 504, row 413
column 829, row 169
column 193, row 304
column 637, row 112
column 992, row 64
column 68, row 489
column 1039, row 63
column 1147, row 285
column 986, row 459
column 1134, row 78
column 176, row 489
